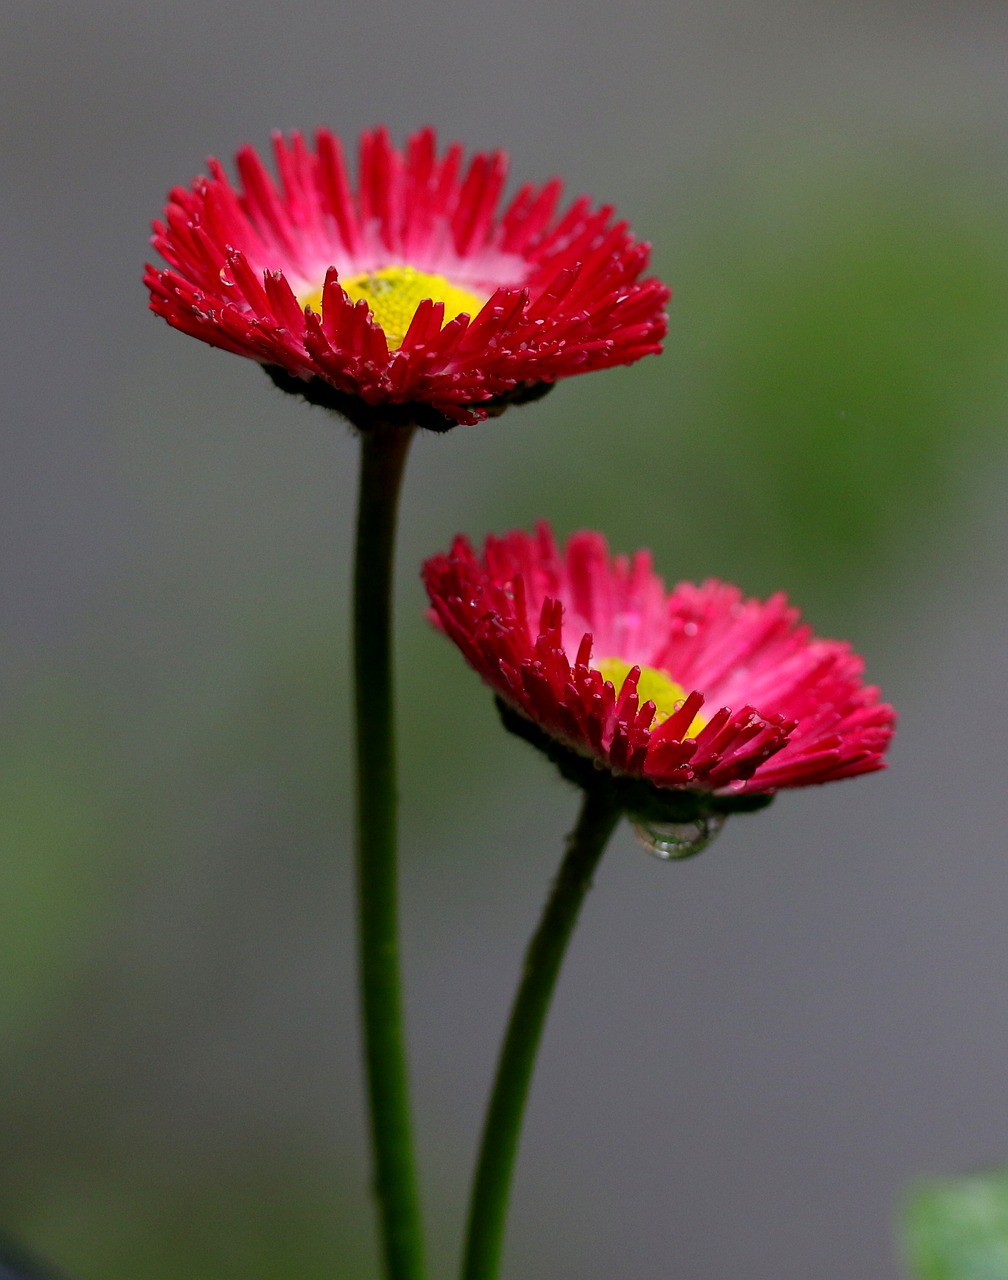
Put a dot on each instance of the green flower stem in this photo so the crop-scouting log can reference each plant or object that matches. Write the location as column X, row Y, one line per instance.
column 383, row 456
column 492, row 1183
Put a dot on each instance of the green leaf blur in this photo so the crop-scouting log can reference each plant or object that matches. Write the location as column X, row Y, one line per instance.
column 957, row 1228
column 833, row 382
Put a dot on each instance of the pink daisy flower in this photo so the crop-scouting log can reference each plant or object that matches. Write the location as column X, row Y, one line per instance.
column 711, row 700
column 411, row 297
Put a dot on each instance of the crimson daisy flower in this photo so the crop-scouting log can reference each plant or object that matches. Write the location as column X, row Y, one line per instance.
column 413, row 297
column 696, row 701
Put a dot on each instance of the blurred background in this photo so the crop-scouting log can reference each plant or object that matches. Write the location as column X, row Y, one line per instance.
column 749, row 1055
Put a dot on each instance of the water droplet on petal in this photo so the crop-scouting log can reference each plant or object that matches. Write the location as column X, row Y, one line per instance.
column 674, row 841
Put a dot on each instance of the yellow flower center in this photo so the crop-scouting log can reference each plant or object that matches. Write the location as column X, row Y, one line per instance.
column 653, row 686
column 394, row 293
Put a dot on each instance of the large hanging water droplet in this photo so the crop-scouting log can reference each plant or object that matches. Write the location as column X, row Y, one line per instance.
column 674, row 841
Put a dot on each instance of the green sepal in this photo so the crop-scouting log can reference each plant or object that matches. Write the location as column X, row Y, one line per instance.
column 634, row 796
column 413, row 414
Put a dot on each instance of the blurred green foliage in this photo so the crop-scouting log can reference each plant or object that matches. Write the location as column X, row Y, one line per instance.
column 833, row 383
column 957, row 1228
column 242, row 1223
column 58, row 833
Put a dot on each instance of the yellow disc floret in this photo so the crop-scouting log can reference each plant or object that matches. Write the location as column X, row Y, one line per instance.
column 394, row 293
column 653, row 686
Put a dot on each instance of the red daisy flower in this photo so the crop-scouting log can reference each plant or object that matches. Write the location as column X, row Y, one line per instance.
column 711, row 700
column 412, row 296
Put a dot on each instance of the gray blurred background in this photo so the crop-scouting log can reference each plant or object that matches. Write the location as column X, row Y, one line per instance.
column 750, row 1054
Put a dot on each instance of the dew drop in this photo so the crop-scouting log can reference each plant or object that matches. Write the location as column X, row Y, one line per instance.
column 674, row 841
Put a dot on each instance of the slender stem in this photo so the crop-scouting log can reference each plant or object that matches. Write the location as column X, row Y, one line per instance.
column 383, row 457
column 492, row 1183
